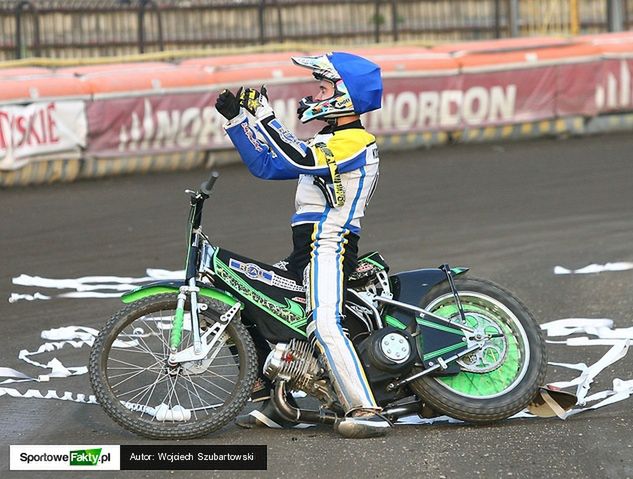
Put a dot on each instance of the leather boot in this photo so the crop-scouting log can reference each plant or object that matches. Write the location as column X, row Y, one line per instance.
column 363, row 424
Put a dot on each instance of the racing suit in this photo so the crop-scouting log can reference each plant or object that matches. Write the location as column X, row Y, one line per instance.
column 337, row 172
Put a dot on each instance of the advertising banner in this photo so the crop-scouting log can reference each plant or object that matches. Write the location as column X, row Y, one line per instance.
column 153, row 124
column 413, row 102
column 509, row 96
column 177, row 122
column 40, row 129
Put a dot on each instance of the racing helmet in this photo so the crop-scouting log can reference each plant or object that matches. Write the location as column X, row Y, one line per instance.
column 357, row 86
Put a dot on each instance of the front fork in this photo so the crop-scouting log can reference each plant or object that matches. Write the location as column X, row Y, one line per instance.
column 192, row 290
column 176, row 332
column 202, row 345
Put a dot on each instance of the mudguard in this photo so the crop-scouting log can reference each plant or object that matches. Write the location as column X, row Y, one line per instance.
column 411, row 286
column 160, row 287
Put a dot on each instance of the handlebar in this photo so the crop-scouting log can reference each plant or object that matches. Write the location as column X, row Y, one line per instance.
column 207, row 186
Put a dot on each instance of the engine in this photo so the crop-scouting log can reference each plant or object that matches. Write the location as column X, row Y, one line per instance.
column 296, row 363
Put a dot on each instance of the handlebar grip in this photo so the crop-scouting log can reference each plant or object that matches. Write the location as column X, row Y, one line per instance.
column 207, row 186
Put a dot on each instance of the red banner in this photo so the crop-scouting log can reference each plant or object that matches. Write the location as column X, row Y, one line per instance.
column 153, row 124
column 476, row 97
column 454, row 102
column 176, row 122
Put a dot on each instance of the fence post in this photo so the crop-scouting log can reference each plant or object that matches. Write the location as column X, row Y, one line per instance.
column 394, row 19
column 574, row 17
column 497, row 18
column 615, row 15
column 141, row 25
column 140, row 22
column 25, row 4
column 262, row 33
column 280, row 25
column 377, row 21
column 513, row 17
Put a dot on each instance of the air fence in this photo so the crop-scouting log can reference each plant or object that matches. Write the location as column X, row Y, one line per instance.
column 94, row 120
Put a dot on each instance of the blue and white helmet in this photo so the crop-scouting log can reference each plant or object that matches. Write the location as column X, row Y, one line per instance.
column 357, row 86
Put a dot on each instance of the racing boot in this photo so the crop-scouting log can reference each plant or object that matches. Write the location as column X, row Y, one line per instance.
column 363, row 423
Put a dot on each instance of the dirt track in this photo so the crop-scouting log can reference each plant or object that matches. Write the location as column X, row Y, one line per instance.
column 510, row 212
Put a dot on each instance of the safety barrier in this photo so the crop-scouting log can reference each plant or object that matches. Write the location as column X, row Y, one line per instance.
column 97, row 120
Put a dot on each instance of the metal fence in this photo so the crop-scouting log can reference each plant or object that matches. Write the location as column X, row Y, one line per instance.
column 83, row 28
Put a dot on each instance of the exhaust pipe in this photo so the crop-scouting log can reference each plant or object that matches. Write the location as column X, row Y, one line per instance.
column 293, row 414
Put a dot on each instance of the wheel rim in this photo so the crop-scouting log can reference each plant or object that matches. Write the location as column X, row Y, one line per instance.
column 504, row 361
column 139, row 376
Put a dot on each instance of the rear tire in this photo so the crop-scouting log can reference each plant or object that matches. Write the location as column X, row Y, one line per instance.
column 132, row 379
column 505, row 376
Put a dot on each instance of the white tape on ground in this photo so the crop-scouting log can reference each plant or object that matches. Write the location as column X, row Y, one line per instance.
column 50, row 394
column 75, row 336
column 595, row 268
column 619, row 339
column 90, row 286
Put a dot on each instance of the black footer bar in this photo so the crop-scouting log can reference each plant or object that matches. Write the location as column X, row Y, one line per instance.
column 193, row 457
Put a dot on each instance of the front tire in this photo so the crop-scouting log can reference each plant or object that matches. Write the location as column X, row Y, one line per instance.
column 135, row 385
column 503, row 377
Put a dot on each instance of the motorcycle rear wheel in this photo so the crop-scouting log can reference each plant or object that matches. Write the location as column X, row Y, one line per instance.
column 502, row 378
column 135, row 385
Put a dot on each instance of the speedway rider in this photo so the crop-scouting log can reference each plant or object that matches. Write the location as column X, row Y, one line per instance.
column 337, row 172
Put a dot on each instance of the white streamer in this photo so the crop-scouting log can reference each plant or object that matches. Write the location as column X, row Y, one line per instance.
column 75, row 336
column 78, row 336
column 595, row 268
column 90, row 286
column 51, row 394
column 619, row 339
column 15, row 297
column 12, row 373
column 588, row 374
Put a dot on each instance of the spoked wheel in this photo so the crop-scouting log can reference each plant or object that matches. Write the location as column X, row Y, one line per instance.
column 503, row 375
column 137, row 386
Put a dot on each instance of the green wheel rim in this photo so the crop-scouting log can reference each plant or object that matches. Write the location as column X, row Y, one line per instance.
column 483, row 311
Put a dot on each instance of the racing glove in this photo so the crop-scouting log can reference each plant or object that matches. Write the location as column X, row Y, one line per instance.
column 256, row 102
column 228, row 104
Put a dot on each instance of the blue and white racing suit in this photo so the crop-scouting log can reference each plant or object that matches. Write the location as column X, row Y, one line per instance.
column 337, row 172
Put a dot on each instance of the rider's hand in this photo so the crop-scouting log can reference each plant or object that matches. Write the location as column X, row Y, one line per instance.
column 228, row 104
column 256, row 102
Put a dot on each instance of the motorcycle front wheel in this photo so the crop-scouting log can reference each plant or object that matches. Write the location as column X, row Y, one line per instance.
column 138, row 388
column 503, row 376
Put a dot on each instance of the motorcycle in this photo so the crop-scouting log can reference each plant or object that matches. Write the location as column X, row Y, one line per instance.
column 179, row 361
